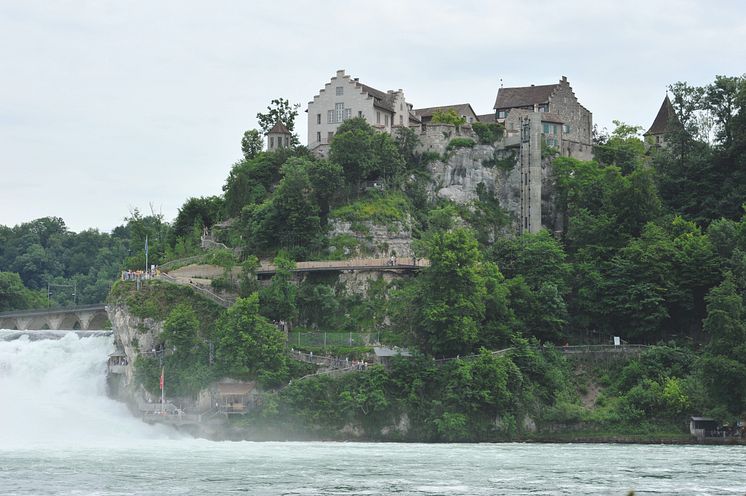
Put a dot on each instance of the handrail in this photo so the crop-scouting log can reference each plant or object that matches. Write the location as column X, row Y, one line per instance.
column 224, row 302
column 185, row 260
column 38, row 311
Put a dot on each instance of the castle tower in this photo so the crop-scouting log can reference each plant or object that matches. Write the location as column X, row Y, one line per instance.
column 278, row 137
column 530, row 167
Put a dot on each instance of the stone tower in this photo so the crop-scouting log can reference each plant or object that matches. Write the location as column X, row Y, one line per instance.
column 278, row 137
column 530, row 167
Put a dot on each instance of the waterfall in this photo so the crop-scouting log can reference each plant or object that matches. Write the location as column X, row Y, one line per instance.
column 53, row 391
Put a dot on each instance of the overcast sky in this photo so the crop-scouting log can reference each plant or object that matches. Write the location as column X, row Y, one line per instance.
column 110, row 106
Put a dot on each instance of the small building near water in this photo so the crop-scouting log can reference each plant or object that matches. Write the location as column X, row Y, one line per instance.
column 117, row 362
column 702, row 427
column 236, row 398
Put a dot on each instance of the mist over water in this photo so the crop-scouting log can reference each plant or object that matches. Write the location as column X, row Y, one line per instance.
column 53, row 392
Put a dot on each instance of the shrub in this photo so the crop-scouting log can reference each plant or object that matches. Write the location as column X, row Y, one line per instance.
column 488, row 132
column 460, row 143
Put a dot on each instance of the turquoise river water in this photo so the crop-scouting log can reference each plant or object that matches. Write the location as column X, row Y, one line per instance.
column 60, row 434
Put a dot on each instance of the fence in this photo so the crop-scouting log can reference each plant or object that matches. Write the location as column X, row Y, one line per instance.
column 302, row 339
column 222, row 301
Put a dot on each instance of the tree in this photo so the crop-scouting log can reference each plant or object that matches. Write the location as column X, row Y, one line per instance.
column 247, row 344
column 326, row 179
column 448, row 117
column 450, row 303
column 623, row 148
column 201, row 212
column 279, row 298
column 15, row 296
column 280, row 110
column 181, row 331
column 251, row 143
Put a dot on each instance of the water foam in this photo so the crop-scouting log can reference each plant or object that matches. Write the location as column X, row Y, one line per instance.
column 53, row 392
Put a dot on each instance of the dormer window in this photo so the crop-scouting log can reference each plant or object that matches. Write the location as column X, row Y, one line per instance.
column 544, row 107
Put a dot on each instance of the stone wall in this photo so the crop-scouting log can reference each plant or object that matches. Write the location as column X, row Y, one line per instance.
column 435, row 137
column 376, row 240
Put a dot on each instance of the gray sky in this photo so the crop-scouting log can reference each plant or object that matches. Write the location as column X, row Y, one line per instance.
column 108, row 105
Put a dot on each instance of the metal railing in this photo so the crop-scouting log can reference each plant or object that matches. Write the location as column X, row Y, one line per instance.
column 224, row 302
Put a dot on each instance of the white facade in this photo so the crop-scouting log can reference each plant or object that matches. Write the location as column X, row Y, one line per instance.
column 343, row 98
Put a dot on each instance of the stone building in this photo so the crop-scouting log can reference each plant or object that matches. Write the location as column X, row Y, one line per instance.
column 278, row 137
column 344, row 97
column 664, row 123
column 565, row 123
column 462, row 110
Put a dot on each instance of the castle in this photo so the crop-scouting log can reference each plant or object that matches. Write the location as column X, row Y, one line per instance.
column 533, row 117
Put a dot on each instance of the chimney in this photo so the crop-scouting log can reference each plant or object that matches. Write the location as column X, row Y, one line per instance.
column 532, row 85
column 564, row 79
column 357, row 79
column 340, row 73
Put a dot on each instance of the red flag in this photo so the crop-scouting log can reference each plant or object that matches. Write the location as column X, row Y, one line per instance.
column 162, row 371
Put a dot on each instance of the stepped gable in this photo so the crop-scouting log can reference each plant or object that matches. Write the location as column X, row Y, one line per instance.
column 662, row 122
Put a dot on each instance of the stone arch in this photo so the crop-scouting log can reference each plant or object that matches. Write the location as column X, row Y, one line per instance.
column 99, row 322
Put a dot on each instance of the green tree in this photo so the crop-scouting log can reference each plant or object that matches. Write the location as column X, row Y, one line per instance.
column 279, row 299
column 326, row 179
column 15, row 296
column 279, row 110
column 181, row 332
column 247, row 344
column 450, row 303
column 448, row 117
column 623, row 148
column 252, row 143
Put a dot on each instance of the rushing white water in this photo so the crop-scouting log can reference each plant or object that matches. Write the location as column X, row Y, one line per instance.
column 61, row 435
column 53, row 392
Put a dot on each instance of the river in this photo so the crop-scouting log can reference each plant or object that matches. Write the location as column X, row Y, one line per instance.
column 60, row 434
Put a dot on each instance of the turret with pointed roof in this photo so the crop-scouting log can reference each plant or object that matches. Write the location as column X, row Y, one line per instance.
column 278, row 137
column 665, row 122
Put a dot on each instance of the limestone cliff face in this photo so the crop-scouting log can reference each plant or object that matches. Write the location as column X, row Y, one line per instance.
column 457, row 175
column 376, row 240
column 134, row 335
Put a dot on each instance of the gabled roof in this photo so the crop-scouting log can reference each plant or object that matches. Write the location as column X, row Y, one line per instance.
column 381, row 99
column 662, row 122
column 524, row 96
column 460, row 109
column 279, row 128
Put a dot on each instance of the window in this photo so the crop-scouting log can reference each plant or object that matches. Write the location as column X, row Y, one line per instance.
column 502, row 114
column 330, row 117
column 340, row 90
column 378, row 117
column 287, row 141
column 544, row 107
column 329, row 136
column 471, row 119
column 271, row 142
column 565, row 128
column 401, row 120
column 339, row 110
column 279, row 142
column 348, row 113
column 386, row 117
column 359, row 113
column 318, row 137
column 318, row 118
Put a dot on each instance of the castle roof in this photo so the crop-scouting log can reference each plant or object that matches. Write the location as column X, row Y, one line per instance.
column 381, row 99
column 460, row 109
column 486, row 117
column 279, row 128
column 524, row 96
column 662, row 122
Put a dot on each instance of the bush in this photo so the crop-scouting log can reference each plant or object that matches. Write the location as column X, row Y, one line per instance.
column 488, row 132
column 460, row 143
